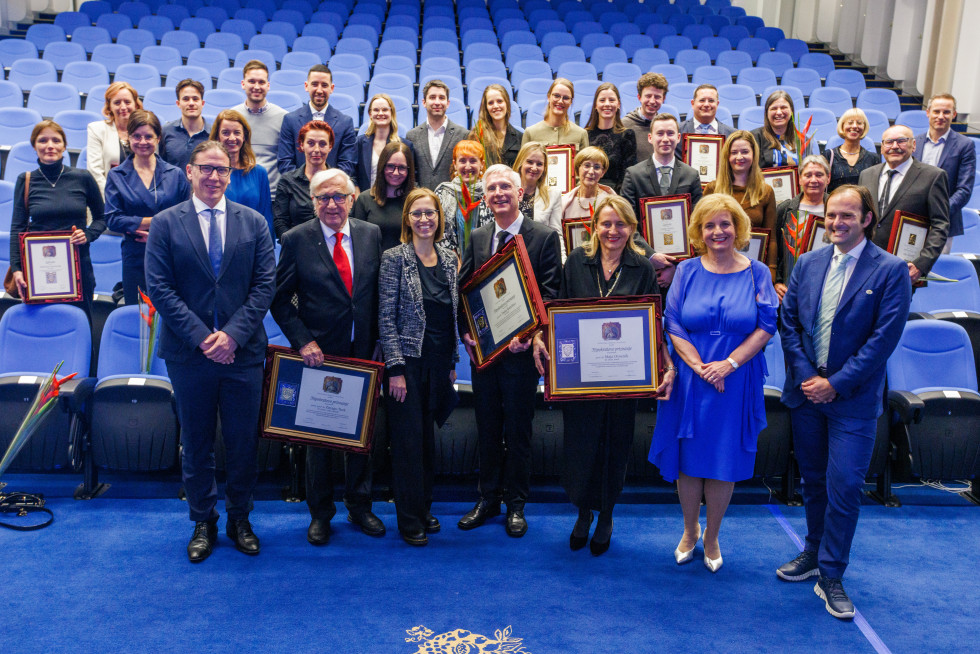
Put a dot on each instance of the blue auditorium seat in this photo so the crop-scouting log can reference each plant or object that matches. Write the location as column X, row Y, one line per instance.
column 161, row 57
column 522, row 52
column 26, row 73
column 751, row 23
column 447, row 69
column 11, row 95
column 551, row 40
column 474, row 53
column 289, row 80
column 227, row 42
column 716, row 22
column 674, row 44
column 734, row 33
column 916, row 119
column 156, row 25
column 969, row 241
column 90, row 37
column 176, row 13
column 349, row 84
column 264, row 56
column 402, row 48
column 406, row 67
column 777, row 62
column 691, row 60
column 647, row 58
column 824, row 124
column 532, row 89
column 178, row 73
column 40, row 34
column 22, row 156
column 485, row 68
column 674, row 74
column 577, row 70
column 884, row 100
column 346, row 105
column 83, row 75
column 292, row 17
column 525, row 70
column 217, row 100
column 136, row 40
column 821, row 62
column 631, row 43
column 200, row 27
column 106, row 258
column 682, row 94
column 620, row 31
column 715, row 75
column 847, row 78
column 602, row 57
column 69, row 20
column 805, row 79
column 751, row 118
column 351, row 63
column 757, row 78
column 114, row 23
column 277, row 45
column 183, row 42
column 141, row 77
column 244, row 29
column 714, row 46
column 48, row 98
column 13, row 49
column 212, row 60
column 61, row 53
column 771, row 34
column 795, row 48
column 95, row 8
column 229, row 78
column 754, row 47
column 161, row 101
column 736, row 98
column 835, row 99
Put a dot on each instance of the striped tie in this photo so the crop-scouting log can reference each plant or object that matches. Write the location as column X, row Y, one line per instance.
column 828, row 308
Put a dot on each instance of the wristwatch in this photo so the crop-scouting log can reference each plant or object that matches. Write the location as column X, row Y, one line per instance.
column 733, row 362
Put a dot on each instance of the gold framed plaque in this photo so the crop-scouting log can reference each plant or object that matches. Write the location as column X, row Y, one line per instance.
column 577, row 231
column 758, row 244
column 784, row 180
column 561, row 167
column 51, row 267
column 908, row 235
column 702, row 152
column 664, row 223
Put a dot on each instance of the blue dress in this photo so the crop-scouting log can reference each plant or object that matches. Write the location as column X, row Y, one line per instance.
column 252, row 190
column 701, row 432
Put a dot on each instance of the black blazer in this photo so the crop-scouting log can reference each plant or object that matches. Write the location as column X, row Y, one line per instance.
column 923, row 191
column 580, row 276
column 362, row 172
column 430, row 173
column 325, row 311
column 641, row 181
column 784, row 264
column 765, row 149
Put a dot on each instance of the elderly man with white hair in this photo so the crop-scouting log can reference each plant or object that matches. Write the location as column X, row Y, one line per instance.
column 331, row 266
column 505, row 391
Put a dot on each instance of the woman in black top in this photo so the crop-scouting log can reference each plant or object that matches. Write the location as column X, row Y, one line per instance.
column 418, row 291
column 493, row 130
column 607, row 132
column 57, row 199
column 293, row 204
column 776, row 137
column 382, row 204
column 599, row 433
column 849, row 158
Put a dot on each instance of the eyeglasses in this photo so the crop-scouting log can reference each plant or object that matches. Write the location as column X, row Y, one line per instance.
column 338, row 198
column 140, row 138
column 423, row 213
column 899, row 141
column 561, row 98
column 392, row 168
column 206, row 170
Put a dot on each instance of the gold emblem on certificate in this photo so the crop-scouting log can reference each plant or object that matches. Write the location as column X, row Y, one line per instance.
column 703, row 153
column 784, row 181
column 664, row 223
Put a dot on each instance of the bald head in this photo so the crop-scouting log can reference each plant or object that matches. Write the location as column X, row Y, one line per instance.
column 897, row 145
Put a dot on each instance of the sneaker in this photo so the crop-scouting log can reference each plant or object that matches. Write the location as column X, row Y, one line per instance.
column 831, row 591
column 802, row 567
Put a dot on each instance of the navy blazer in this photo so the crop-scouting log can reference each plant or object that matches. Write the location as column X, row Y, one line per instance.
column 343, row 155
column 186, row 293
column 689, row 126
column 959, row 160
column 362, row 171
column 871, row 315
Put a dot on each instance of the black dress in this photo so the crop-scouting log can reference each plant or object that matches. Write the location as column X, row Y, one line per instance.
column 57, row 209
column 621, row 150
column 293, row 204
column 842, row 172
column 599, row 433
column 387, row 217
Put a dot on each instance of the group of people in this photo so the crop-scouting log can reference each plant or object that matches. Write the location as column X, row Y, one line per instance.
column 377, row 240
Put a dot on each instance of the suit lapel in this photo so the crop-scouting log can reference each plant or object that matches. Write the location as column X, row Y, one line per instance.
column 908, row 181
column 655, row 182
column 233, row 232
column 359, row 247
column 323, row 249
column 865, row 265
column 192, row 226
column 446, row 139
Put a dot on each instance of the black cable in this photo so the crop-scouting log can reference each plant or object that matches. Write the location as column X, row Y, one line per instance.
column 23, row 504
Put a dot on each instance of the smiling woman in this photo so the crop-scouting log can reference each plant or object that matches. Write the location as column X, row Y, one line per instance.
column 461, row 198
column 108, row 141
column 557, row 127
column 249, row 183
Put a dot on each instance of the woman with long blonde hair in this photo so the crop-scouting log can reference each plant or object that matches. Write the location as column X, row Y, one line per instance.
column 493, row 130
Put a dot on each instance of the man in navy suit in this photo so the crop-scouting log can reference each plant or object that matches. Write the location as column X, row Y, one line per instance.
column 842, row 317
column 210, row 273
column 948, row 149
column 319, row 84
column 703, row 120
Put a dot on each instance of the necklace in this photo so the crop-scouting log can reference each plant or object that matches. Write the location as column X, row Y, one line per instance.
column 843, row 151
column 56, row 180
column 579, row 197
column 615, row 281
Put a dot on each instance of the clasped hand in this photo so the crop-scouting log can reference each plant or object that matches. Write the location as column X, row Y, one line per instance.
column 818, row 390
column 219, row 347
column 715, row 372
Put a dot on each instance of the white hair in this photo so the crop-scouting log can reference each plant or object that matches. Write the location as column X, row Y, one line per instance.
column 506, row 171
column 329, row 174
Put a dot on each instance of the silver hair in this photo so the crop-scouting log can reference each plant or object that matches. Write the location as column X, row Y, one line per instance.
column 817, row 160
column 329, row 174
column 502, row 169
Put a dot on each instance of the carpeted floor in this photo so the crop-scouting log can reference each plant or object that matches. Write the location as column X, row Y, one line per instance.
column 111, row 575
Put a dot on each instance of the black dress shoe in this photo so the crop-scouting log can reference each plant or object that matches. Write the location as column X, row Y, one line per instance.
column 802, row 567
column 203, row 541
column 580, row 533
column 432, row 525
column 319, row 532
column 831, row 591
column 484, row 509
column 601, row 539
column 368, row 522
column 516, row 525
column 240, row 531
column 417, row 539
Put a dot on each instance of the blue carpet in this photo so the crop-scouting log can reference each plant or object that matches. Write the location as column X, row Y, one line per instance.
column 112, row 576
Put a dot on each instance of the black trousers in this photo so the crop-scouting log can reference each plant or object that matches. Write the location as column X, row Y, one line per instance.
column 598, row 439
column 504, row 395
column 320, row 482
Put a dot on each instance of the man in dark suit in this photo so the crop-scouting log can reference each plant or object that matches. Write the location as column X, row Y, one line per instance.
column 435, row 139
column 319, row 84
column 505, row 391
column 842, row 317
column 331, row 267
column 902, row 183
column 210, row 273
column 649, row 177
column 704, row 108
column 948, row 149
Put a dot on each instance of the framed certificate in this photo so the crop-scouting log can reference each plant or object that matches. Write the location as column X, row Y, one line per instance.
column 703, row 153
column 908, row 235
column 815, row 234
column 51, row 266
column 664, row 223
column 758, row 244
column 604, row 348
column 501, row 301
column 784, row 180
column 332, row 405
column 577, row 231
column 561, row 168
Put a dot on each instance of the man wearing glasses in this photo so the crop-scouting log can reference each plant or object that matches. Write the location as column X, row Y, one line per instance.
column 903, row 184
column 331, row 267
column 210, row 273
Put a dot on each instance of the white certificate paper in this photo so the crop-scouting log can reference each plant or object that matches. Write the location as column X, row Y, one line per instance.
column 667, row 226
column 782, row 186
column 820, row 238
column 503, row 299
column 704, row 159
column 558, row 165
column 329, row 400
column 50, row 270
column 612, row 349
column 911, row 238
column 580, row 236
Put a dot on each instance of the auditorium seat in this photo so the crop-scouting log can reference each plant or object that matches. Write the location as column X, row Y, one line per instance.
column 48, row 98
column 137, row 40
column 16, row 123
column 162, row 102
column 141, row 77
column 630, row 43
column 69, row 20
column 758, row 79
column 530, row 70
column 446, row 69
column 230, row 44
column 178, row 73
column 577, row 70
column 915, row 119
column 794, row 93
column 212, row 60
column 183, row 42
column 715, row 75
column 885, row 101
column 199, row 27
column 647, row 58
column 795, row 48
column 751, row 118
column 591, row 42
column 114, row 24
column 714, row 46
column 11, row 95
column 22, row 158
column 13, row 49
column 821, row 62
column 40, row 34
column 675, row 74
column 777, row 62
column 848, row 79
column 754, row 47
column 112, row 56
column 835, row 99
column 217, row 100
column 736, row 98
column 106, row 255
column 27, row 73
column 157, row 25
column 691, row 60
column 674, row 44
column 161, row 57
column 807, row 80
column 824, row 124
column 957, row 302
column 61, row 53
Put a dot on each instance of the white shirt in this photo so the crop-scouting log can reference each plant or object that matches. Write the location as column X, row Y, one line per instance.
column 660, row 166
column 932, row 151
column 900, row 171
column 855, row 254
column 436, row 137
column 204, row 219
column 329, row 236
column 513, row 229
column 318, row 115
column 700, row 128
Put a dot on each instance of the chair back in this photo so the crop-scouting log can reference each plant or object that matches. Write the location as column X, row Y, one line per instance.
column 36, row 337
column 932, row 354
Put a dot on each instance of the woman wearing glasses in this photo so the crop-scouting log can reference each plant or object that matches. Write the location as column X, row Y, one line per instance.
column 557, row 128
column 293, row 204
column 136, row 190
column 382, row 204
column 418, row 291
column 249, row 183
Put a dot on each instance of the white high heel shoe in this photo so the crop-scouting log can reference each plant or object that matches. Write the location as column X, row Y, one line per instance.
column 713, row 564
column 688, row 556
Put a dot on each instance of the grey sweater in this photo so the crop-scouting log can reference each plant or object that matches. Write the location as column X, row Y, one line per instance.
column 265, row 139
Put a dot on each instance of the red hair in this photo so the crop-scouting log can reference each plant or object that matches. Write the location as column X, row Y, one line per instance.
column 317, row 125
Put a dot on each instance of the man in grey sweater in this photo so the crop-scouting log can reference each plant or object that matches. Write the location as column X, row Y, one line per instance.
column 651, row 91
column 263, row 117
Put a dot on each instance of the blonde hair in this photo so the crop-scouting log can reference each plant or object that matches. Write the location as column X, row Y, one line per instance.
column 756, row 187
column 571, row 91
column 591, row 153
column 848, row 115
column 393, row 130
column 113, row 89
column 542, row 186
column 246, row 158
column 710, row 206
column 414, row 196
column 624, row 210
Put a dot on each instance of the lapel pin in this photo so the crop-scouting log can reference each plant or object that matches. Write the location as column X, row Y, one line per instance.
column 870, row 292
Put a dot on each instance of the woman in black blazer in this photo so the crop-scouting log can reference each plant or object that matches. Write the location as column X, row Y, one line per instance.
column 776, row 137
column 381, row 130
column 418, row 292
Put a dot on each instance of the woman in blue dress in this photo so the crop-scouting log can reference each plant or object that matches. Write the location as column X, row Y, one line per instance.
column 136, row 190
column 720, row 313
column 249, row 183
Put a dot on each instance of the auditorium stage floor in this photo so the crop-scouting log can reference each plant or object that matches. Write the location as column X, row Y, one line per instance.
column 111, row 575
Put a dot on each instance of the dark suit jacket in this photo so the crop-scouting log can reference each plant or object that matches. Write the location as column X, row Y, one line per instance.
column 185, row 292
column 326, row 312
column 642, row 181
column 362, row 171
column 343, row 155
column 430, row 173
column 784, row 261
column 959, row 160
column 691, row 127
column 922, row 192
column 873, row 309
column 766, row 158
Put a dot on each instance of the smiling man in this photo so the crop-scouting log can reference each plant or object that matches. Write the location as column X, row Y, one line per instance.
column 651, row 91
column 703, row 120
column 434, row 139
column 265, row 119
column 842, row 317
column 178, row 138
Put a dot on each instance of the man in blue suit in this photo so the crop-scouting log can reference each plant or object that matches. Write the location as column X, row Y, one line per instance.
column 210, row 273
column 842, row 317
column 319, row 84
column 946, row 148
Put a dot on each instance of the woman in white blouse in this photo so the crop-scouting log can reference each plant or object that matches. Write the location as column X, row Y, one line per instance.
column 108, row 142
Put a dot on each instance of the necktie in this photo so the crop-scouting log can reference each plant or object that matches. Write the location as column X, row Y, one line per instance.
column 885, row 194
column 501, row 241
column 343, row 265
column 665, row 178
column 828, row 308
column 704, row 129
column 214, row 241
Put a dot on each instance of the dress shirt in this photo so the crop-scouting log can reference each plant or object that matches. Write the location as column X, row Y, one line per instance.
column 660, row 169
column 261, row 110
column 436, row 137
column 897, row 178
column 204, row 220
column 513, row 229
column 176, row 144
column 855, row 254
column 707, row 128
column 318, row 115
column 330, row 236
column 932, row 151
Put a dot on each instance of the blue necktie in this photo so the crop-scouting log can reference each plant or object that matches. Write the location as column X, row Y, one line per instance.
column 828, row 308
column 214, row 242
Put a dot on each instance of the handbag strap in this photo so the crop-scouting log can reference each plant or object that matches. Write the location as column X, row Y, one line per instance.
column 27, row 189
